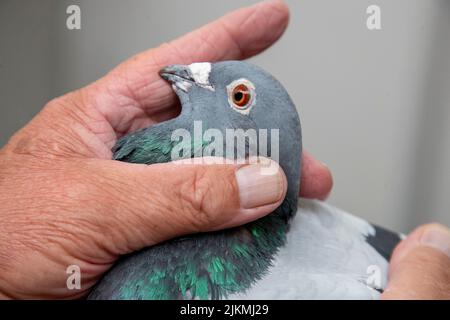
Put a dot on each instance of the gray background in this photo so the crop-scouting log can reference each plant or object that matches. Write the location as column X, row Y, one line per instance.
column 374, row 104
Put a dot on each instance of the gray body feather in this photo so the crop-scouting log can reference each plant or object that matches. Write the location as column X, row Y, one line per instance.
column 327, row 256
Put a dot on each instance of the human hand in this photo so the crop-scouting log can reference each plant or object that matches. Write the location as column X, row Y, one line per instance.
column 420, row 265
column 63, row 201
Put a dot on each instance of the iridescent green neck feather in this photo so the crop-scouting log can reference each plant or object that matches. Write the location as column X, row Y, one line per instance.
column 204, row 266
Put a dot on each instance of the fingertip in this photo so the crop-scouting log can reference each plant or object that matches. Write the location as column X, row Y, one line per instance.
column 316, row 180
column 402, row 249
column 248, row 215
column 260, row 183
column 281, row 8
column 277, row 17
column 420, row 265
column 437, row 236
column 262, row 187
column 325, row 179
column 432, row 235
column 257, row 27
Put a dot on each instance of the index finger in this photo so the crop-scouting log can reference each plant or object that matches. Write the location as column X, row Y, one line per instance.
column 134, row 87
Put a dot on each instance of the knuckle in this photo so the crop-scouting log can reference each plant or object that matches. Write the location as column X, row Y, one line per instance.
column 195, row 194
column 206, row 194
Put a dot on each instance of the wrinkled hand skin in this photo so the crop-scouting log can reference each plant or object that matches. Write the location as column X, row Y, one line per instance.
column 54, row 199
column 64, row 202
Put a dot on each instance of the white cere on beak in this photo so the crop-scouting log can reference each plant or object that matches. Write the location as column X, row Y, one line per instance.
column 200, row 72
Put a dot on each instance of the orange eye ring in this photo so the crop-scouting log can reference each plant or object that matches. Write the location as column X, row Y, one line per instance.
column 241, row 95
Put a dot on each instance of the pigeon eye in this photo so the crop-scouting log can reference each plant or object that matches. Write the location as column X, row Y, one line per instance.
column 241, row 95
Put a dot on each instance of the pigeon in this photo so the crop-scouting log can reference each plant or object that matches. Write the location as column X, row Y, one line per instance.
column 305, row 249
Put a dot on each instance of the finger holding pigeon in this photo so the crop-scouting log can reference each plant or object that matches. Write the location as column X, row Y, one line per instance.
column 65, row 202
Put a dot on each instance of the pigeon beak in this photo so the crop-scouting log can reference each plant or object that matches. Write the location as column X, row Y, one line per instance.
column 184, row 76
column 175, row 73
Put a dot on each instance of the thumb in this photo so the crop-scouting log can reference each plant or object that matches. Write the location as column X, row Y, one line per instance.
column 146, row 204
column 420, row 265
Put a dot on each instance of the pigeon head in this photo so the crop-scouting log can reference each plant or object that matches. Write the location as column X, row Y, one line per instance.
column 239, row 95
column 225, row 97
